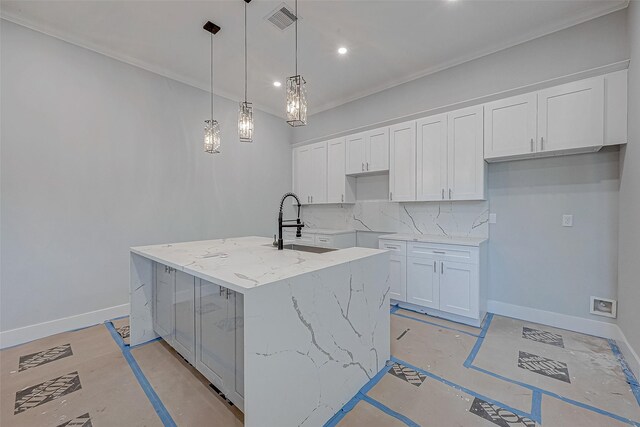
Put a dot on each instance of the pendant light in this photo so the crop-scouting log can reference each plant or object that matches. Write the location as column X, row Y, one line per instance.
column 211, row 127
column 245, row 115
column 296, row 91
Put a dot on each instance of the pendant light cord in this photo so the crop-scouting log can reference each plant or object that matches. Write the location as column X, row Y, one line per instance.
column 245, row 52
column 211, row 60
column 296, row 13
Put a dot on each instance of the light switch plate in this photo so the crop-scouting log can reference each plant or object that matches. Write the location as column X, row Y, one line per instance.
column 492, row 218
column 567, row 220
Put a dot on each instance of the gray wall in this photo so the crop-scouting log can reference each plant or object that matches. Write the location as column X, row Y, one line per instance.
column 629, row 273
column 98, row 156
column 533, row 260
column 592, row 44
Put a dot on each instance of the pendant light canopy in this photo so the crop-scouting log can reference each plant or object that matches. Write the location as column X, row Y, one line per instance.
column 296, row 91
column 245, row 115
column 211, row 127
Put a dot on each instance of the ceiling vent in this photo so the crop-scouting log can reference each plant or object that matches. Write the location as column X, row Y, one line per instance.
column 282, row 17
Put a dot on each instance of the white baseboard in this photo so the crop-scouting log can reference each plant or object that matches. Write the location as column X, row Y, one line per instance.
column 557, row 320
column 25, row 334
column 630, row 356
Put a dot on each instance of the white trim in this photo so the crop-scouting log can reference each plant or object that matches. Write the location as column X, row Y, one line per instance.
column 25, row 334
column 630, row 355
column 533, row 87
column 557, row 320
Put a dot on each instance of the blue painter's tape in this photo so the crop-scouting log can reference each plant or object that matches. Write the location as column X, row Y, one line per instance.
column 536, row 407
column 478, row 344
column 333, row 421
column 144, row 343
column 433, row 324
column 461, row 388
column 394, row 308
column 158, row 406
column 557, row 396
column 390, row 411
column 631, row 379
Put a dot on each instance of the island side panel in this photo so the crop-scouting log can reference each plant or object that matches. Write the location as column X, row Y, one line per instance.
column 141, row 300
column 312, row 341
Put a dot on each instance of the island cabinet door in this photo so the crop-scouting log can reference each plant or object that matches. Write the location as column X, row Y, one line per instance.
column 185, row 334
column 423, row 281
column 215, row 355
column 163, row 299
column 238, row 336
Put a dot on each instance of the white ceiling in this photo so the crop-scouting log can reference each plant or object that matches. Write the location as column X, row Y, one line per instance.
column 390, row 42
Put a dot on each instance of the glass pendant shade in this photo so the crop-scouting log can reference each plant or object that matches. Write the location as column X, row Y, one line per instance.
column 211, row 136
column 245, row 122
column 296, row 101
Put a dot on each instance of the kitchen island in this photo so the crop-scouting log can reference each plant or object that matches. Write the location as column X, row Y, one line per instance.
column 288, row 336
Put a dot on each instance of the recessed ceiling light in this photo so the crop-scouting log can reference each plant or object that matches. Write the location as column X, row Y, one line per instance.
column 277, row 84
column 342, row 50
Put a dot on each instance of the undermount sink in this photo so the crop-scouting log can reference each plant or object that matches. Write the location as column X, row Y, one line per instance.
column 304, row 248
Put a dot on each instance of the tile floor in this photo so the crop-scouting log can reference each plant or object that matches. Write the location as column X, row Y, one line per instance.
column 508, row 373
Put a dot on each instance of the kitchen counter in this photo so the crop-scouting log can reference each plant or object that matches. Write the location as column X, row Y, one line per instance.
column 261, row 324
column 426, row 238
column 244, row 263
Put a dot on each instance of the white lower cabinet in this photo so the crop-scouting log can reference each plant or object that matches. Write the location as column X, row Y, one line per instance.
column 185, row 334
column 335, row 241
column 447, row 280
column 220, row 345
column 203, row 322
column 423, row 282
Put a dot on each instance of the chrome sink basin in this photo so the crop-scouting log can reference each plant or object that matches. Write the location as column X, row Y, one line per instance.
column 304, row 248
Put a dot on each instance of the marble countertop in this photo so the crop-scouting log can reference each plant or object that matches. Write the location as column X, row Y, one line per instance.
column 244, row 263
column 426, row 238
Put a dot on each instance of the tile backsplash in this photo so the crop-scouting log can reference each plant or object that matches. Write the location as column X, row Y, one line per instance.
column 436, row 218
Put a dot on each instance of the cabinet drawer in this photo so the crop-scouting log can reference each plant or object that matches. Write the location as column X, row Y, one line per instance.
column 452, row 252
column 395, row 246
column 306, row 239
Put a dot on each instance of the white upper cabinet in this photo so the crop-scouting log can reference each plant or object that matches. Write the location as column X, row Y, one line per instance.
column 510, row 127
column 310, row 173
column 431, row 158
column 571, row 116
column 318, row 173
column 377, row 144
column 356, row 154
column 340, row 188
column 466, row 174
column 368, row 152
column 402, row 171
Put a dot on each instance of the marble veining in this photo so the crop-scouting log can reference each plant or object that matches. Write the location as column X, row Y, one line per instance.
column 462, row 219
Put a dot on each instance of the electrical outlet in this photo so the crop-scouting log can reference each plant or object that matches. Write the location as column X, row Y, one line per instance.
column 492, row 218
column 567, row 220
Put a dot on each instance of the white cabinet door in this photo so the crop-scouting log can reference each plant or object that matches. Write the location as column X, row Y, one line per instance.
column 317, row 173
column 216, row 347
column 402, row 171
column 185, row 334
column 398, row 277
column 466, row 166
column 356, row 153
column 163, row 298
column 377, row 150
column 301, row 165
column 510, row 127
column 571, row 116
column 459, row 288
column 431, row 168
column 423, row 277
column 239, row 338
column 336, row 179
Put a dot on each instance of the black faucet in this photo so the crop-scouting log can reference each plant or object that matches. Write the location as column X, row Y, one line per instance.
column 298, row 224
